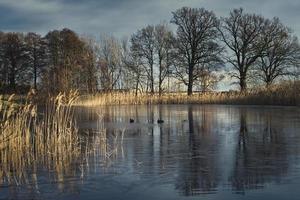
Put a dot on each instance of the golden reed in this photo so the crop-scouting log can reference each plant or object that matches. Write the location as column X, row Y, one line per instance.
column 282, row 94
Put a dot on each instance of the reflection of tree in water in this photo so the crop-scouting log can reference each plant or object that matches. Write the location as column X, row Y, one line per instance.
column 189, row 145
column 191, row 155
column 261, row 153
column 164, row 140
column 199, row 173
column 152, row 156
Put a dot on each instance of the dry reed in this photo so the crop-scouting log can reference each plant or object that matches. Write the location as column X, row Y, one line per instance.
column 29, row 139
column 283, row 94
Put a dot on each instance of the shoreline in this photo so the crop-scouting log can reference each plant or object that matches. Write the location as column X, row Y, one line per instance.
column 273, row 99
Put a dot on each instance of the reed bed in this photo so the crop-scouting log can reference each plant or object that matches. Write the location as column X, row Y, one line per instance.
column 28, row 139
column 287, row 94
column 49, row 139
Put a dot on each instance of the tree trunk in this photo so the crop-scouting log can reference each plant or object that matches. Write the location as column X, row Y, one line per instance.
column 190, row 81
column 12, row 76
column 34, row 76
column 243, row 83
column 160, row 89
column 190, row 89
column 160, row 78
column 152, row 81
column 12, row 82
column 137, row 85
column 34, row 69
column 268, row 82
column 35, row 79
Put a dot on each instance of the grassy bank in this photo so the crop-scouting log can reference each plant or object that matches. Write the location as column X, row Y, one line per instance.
column 287, row 94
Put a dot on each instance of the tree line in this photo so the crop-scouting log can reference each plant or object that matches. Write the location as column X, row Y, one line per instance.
column 155, row 58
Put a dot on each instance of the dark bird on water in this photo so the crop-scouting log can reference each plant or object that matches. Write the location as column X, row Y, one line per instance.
column 160, row 121
column 131, row 120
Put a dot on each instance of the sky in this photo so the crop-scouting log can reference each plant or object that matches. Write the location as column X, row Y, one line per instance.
column 123, row 17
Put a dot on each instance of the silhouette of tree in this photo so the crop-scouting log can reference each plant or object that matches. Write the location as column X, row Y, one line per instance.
column 143, row 46
column 196, row 44
column 281, row 54
column 244, row 35
column 37, row 49
column 13, row 53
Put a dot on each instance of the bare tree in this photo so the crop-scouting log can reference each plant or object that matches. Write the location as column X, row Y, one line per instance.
column 135, row 73
column 125, row 57
column 281, row 54
column 209, row 80
column 143, row 46
column 164, row 45
column 196, row 44
column 243, row 35
column 110, row 62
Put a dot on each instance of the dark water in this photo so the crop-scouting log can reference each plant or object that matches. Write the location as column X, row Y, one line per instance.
column 199, row 152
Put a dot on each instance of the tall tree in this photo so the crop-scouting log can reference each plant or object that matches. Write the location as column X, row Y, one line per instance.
column 14, row 54
column 88, row 72
column 243, row 35
column 72, row 52
column 37, row 51
column 66, row 56
column 281, row 54
column 51, row 76
column 135, row 72
column 143, row 46
column 110, row 62
column 196, row 43
column 164, row 47
column 3, row 68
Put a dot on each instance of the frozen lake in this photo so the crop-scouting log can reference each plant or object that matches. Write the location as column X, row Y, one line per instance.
column 199, row 152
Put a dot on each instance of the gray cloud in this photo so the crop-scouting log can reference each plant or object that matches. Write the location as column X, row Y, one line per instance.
column 123, row 17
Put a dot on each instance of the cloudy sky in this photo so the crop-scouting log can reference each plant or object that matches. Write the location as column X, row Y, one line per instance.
column 123, row 17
